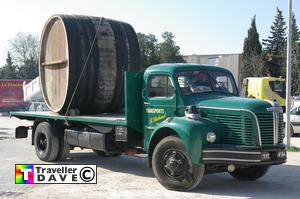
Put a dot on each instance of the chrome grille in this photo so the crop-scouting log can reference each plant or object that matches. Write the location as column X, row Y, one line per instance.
column 281, row 129
column 266, row 124
column 265, row 121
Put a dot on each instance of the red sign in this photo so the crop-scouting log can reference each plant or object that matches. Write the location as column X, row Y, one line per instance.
column 11, row 94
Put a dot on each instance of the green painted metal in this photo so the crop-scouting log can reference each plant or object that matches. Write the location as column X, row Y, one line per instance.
column 173, row 68
column 231, row 117
column 157, row 109
column 133, row 100
column 193, row 133
column 221, row 100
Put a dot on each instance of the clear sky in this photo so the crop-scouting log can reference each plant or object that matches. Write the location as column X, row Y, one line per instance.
column 200, row 26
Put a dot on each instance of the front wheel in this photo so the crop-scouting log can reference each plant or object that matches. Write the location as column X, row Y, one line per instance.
column 172, row 166
column 250, row 173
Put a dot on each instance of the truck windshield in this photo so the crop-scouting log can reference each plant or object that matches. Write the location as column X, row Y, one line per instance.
column 191, row 82
column 278, row 87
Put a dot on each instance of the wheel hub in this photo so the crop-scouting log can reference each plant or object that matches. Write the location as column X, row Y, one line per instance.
column 42, row 143
column 175, row 164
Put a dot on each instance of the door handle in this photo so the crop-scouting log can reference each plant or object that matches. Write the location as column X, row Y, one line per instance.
column 146, row 103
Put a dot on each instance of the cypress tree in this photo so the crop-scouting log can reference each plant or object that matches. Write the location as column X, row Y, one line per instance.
column 251, row 53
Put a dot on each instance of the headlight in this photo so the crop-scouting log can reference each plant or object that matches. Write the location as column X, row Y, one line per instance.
column 211, row 137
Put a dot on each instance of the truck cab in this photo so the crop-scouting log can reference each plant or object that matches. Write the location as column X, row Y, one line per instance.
column 265, row 88
column 188, row 118
column 200, row 105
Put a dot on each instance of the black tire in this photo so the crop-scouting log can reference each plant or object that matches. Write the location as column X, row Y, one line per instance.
column 64, row 147
column 249, row 174
column 172, row 166
column 107, row 154
column 46, row 142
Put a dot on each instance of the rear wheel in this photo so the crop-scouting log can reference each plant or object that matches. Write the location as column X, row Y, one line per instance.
column 250, row 173
column 46, row 142
column 172, row 166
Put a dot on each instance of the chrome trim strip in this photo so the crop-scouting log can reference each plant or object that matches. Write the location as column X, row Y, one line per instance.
column 228, row 151
column 236, row 109
column 275, row 123
column 277, row 127
column 232, row 159
column 274, row 128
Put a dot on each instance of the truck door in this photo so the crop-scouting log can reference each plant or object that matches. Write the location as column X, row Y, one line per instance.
column 159, row 102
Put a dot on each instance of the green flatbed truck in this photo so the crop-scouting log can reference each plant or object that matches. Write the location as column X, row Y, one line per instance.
column 188, row 118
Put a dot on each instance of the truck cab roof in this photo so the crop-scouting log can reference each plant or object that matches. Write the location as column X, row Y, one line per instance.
column 171, row 68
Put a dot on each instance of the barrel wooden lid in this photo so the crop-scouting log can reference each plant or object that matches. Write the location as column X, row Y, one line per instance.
column 53, row 63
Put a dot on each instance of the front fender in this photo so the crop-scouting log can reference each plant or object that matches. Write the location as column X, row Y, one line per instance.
column 192, row 133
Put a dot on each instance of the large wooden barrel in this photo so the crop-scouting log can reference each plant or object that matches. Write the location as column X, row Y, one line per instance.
column 102, row 48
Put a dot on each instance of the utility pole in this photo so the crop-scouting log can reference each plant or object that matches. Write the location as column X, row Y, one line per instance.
column 288, row 76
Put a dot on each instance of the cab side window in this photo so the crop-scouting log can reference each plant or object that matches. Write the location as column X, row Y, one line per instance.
column 160, row 86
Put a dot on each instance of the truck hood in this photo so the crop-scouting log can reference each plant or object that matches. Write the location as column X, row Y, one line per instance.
column 231, row 102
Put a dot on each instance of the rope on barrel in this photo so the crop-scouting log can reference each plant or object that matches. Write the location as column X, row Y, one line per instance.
column 82, row 71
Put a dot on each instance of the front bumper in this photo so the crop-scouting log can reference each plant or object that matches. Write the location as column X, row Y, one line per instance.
column 244, row 155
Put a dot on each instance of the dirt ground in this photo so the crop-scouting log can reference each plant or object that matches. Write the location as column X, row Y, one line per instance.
column 129, row 177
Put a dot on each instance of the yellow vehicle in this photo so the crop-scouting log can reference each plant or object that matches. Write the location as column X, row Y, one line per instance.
column 265, row 88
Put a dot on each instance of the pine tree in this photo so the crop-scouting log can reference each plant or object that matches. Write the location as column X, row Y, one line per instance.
column 276, row 43
column 251, row 59
column 9, row 70
column 295, row 30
